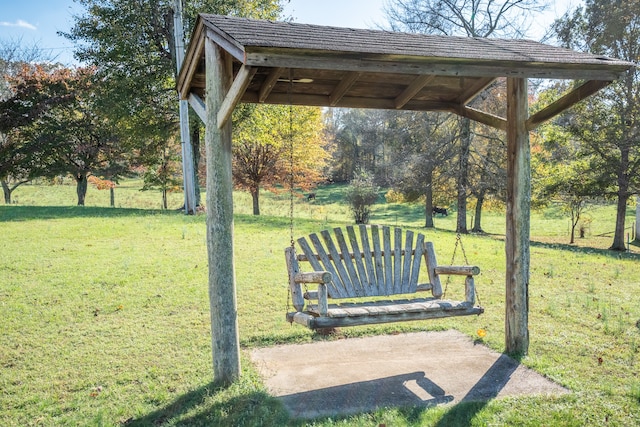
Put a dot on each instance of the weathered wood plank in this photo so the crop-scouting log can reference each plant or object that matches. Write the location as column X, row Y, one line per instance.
column 406, row 266
column 335, row 287
column 474, row 90
column 293, row 268
column 469, row 290
column 388, row 261
column 377, row 251
column 432, row 263
column 358, row 256
column 312, row 277
column 461, row 270
column 235, row 93
column 415, row 266
column 347, row 260
column 323, row 303
column 397, row 261
column 341, row 316
column 416, row 86
column 222, row 282
column 482, row 117
column 565, row 102
column 439, row 66
column 517, row 218
column 198, row 106
column 344, row 276
column 368, row 258
column 343, row 87
column 269, row 83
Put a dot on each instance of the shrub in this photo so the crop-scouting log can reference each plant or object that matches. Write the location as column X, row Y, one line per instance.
column 361, row 194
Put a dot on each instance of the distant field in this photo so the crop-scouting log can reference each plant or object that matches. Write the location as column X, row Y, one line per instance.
column 105, row 313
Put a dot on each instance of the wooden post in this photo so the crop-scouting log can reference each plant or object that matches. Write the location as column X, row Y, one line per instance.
column 188, row 172
column 518, row 218
column 222, row 286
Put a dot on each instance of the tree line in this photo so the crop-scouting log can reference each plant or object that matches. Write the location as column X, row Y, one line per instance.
column 117, row 115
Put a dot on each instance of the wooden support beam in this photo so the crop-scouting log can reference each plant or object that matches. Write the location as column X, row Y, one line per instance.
column 269, row 84
column 518, row 219
column 341, row 89
column 235, row 93
column 567, row 101
column 412, row 90
column 222, row 283
column 186, row 74
column 198, row 106
column 469, row 95
column 482, row 117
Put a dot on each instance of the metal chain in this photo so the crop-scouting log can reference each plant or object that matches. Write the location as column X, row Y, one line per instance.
column 291, row 163
column 291, row 178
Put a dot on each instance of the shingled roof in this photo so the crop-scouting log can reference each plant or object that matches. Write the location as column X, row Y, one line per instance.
column 284, row 62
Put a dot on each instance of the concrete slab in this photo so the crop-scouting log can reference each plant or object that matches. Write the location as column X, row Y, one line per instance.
column 418, row 369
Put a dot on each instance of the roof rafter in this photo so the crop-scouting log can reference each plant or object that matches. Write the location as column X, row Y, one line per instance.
column 567, row 101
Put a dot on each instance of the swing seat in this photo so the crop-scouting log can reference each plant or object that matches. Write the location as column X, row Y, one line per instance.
column 364, row 270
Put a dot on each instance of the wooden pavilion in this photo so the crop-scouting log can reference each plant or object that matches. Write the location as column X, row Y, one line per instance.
column 232, row 60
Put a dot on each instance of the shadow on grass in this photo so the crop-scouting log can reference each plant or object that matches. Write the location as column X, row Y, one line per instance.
column 207, row 406
column 586, row 250
column 26, row 213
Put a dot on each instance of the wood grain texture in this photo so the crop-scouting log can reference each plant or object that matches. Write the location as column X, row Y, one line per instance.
column 222, row 283
column 518, row 219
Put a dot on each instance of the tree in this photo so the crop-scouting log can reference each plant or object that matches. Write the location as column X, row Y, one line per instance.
column 608, row 125
column 420, row 154
column 361, row 194
column 32, row 92
column 471, row 18
column 57, row 116
column 131, row 44
column 16, row 162
column 165, row 174
column 266, row 140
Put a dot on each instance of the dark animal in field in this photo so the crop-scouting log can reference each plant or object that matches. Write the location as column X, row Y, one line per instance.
column 441, row 211
column 311, row 196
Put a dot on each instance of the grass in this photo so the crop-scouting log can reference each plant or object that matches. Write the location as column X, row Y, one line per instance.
column 105, row 314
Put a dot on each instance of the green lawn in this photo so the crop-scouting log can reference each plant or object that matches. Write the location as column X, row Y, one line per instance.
column 105, row 314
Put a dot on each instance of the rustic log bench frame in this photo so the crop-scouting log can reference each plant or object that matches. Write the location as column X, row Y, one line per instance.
column 374, row 265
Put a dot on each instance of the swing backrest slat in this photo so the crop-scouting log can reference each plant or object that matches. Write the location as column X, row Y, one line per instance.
column 373, row 262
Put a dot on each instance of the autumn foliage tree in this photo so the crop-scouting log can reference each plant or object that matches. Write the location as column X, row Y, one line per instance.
column 271, row 143
column 58, row 116
column 31, row 92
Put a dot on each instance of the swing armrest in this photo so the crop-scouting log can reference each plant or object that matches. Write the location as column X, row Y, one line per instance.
column 461, row 270
column 313, row 277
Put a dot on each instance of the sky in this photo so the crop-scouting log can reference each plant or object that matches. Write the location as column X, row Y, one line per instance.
column 36, row 22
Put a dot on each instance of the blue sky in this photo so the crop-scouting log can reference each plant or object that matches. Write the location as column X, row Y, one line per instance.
column 37, row 21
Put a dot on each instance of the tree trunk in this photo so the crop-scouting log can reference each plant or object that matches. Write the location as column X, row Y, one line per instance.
column 428, row 203
column 195, row 143
column 637, row 239
column 7, row 192
column 255, row 195
column 623, row 198
column 164, row 199
column 112, row 197
column 477, row 221
column 463, row 175
column 618, row 238
column 81, row 187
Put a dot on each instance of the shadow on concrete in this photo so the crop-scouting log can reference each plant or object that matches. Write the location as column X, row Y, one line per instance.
column 489, row 387
column 411, row 389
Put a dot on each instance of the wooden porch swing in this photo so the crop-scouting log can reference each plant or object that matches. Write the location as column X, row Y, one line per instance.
column 232, row 60
column 368, row 265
